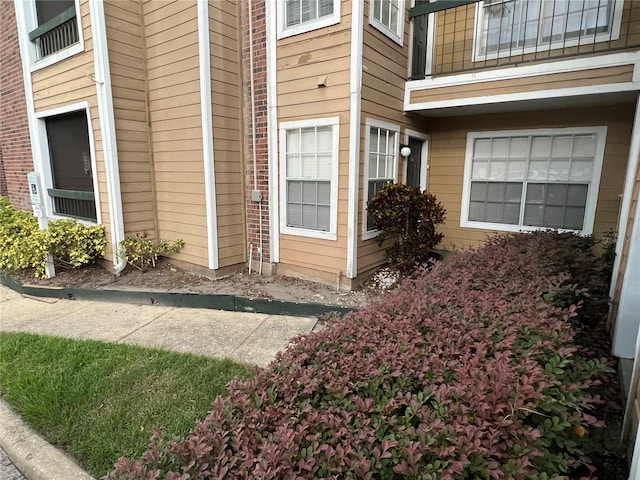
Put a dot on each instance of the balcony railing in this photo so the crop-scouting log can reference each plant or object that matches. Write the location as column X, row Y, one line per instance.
column 58, row 33
column 473, row 35
column 74, row 203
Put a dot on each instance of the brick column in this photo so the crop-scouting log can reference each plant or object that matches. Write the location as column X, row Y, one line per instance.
column 258, row 8
column 16, row 159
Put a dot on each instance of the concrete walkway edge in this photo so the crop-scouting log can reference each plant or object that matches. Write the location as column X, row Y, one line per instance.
column 33, row 456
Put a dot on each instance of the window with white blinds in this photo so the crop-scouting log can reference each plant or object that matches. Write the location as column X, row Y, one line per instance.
column 309, row 177
column 299, row 16
column 537, row 179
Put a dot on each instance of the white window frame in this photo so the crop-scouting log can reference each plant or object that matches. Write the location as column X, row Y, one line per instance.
column 593, row 187
column 327, row 20
column 42, row 145
column 334, row 123
column 368, row 234
column 397, row 35
column 616, row 20
column 27, row 20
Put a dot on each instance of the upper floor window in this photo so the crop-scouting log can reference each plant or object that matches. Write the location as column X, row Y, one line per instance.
column 388, row 17
column 57, row 26
column 382, row 163
column 515, row 27
column 50, row 30
column 299, row 16
column 533, row 179
column 309, row 177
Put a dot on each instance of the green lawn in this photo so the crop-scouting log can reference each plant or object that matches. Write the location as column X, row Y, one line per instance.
column 99, row 401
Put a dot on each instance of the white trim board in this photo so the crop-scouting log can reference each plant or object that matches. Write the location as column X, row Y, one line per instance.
column 107, row 128
column 206, row 115
column 272, row 131
column 355, row 101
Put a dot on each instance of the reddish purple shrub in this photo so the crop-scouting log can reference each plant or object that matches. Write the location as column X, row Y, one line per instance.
column 464, row 372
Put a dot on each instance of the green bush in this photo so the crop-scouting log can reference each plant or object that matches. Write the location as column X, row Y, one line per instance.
column 23, row 245
column 143, row 253
column 409, row 218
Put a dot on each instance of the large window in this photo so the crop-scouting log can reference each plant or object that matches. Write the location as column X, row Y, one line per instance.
column 71, row 165
column 513, row 27
column 533, row 179
column 382, row 162
column 309, row 170
column 388, row 17
column 299, row 16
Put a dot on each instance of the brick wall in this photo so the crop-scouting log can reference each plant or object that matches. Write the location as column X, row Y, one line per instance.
column 258, row 8
column 16, row 159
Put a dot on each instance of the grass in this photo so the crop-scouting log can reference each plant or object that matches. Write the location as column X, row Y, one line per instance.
column 100, row 401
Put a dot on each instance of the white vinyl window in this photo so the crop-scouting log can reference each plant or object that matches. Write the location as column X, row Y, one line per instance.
column 299, row 16
column 309, row 177
column 67, row 163
column 533, row 179
column 388, row 17
column 382, row 163
column 52, row 30
column 516, row 27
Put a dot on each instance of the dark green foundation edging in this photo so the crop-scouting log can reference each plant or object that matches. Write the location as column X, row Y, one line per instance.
column 230, row 303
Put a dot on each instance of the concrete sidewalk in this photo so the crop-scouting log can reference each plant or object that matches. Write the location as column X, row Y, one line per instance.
column 245, row 337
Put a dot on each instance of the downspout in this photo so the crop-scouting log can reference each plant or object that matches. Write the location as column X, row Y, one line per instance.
column 107, row 129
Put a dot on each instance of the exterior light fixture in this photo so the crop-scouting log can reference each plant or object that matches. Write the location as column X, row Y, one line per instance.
column 405, row 150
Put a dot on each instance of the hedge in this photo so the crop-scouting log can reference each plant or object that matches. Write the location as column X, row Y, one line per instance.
column 467, row 371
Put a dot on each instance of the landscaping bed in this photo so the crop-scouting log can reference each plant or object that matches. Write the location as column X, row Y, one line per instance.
column 470, row 369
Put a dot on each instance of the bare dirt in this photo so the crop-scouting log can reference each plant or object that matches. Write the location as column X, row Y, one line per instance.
column 167, row 278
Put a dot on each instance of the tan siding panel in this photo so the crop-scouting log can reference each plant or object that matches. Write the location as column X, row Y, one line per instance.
column 586, row 78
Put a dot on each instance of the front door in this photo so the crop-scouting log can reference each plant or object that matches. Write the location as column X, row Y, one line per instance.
column 414, row 164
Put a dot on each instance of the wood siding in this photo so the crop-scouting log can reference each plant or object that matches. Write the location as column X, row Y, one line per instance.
column 454, row 40
column 171, row 34
column 127, row 63
column 226, row 95
column 447, row 157
column 71, row 81
column 301, row 60
column 581, row 78
column 383, row 83
column 624, row 256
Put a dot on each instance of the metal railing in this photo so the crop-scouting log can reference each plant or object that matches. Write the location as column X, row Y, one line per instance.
column 58, row 33
column 74, row 203
column 473, row 35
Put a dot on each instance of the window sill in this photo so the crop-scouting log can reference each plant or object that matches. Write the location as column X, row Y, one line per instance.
column 303, row 232
column 387, row 32
column 308, row 27
column 60, row 55
column 501, row 227
column 370, row 234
